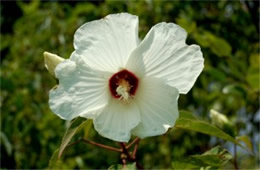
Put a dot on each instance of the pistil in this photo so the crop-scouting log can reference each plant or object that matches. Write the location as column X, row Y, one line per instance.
column 123, row 85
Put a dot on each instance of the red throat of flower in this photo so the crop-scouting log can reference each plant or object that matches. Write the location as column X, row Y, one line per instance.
column 123, row 84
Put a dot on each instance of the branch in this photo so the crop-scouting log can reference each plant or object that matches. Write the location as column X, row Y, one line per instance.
column 235, row 157
column 136, row 140
column 124, row 150
column 135, row 149
column 129, row 157
column 102, row 146
column 95, row 144
column 73, row 143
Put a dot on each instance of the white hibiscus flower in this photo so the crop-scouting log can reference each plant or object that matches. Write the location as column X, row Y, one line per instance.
column 126, row 86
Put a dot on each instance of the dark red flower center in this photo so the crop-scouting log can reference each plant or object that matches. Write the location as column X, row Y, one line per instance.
column 123, row 84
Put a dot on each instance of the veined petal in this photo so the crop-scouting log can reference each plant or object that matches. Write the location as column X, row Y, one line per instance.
column 117, row 120
column 164, row 54
column 158, row 107
column 107, row 43
column 80, row 92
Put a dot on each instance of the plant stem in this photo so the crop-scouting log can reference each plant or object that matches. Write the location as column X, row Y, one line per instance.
column 136, row 140
column 135, row 149
column 102, row 146
column 125, row 155
column 95, row 144
column 73, row 143
column 125, row 151
column 131, row 157
column 235, row 157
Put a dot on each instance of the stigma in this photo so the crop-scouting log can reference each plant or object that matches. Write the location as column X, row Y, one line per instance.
column 123, row 85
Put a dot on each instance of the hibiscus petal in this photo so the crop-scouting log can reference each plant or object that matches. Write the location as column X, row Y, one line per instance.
column 107, row 43
column 158, row 107
column 117, row 120
column 164, row 54
column 80, row 92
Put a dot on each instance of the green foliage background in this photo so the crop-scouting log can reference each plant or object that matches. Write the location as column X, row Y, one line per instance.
column 227, row 32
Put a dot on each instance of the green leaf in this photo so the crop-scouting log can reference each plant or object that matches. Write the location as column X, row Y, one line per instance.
column 218, row 46
column 203, row 127
column 185, row 164
column 187, row 115
column 253, row 77
column 197, row 162
column 29, row 7
column 216, row 73
column 201, row 39
column 254, row 60
column 119, row 166
column 189, row 26
column 75, row 126
column 212, row 159
column 224, row 155
column 246, row 140
column 55, row 162
column 6, row 143
column 87, row 128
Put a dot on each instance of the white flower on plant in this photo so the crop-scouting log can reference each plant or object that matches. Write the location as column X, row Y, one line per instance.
column 126, row 86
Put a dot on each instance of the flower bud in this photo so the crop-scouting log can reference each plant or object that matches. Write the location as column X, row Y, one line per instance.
column 51, row 61
column 218, row 119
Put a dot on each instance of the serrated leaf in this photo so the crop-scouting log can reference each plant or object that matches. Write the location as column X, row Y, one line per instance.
column 213, row 151
column 121, row 167
column 75, row 126
column 204, row 127
column 55, row 162
column 184, row 164
column 197, row 162
column 212, row 159
column 224, row 155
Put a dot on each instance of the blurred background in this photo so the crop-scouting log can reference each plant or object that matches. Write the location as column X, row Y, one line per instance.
column 227, row 31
